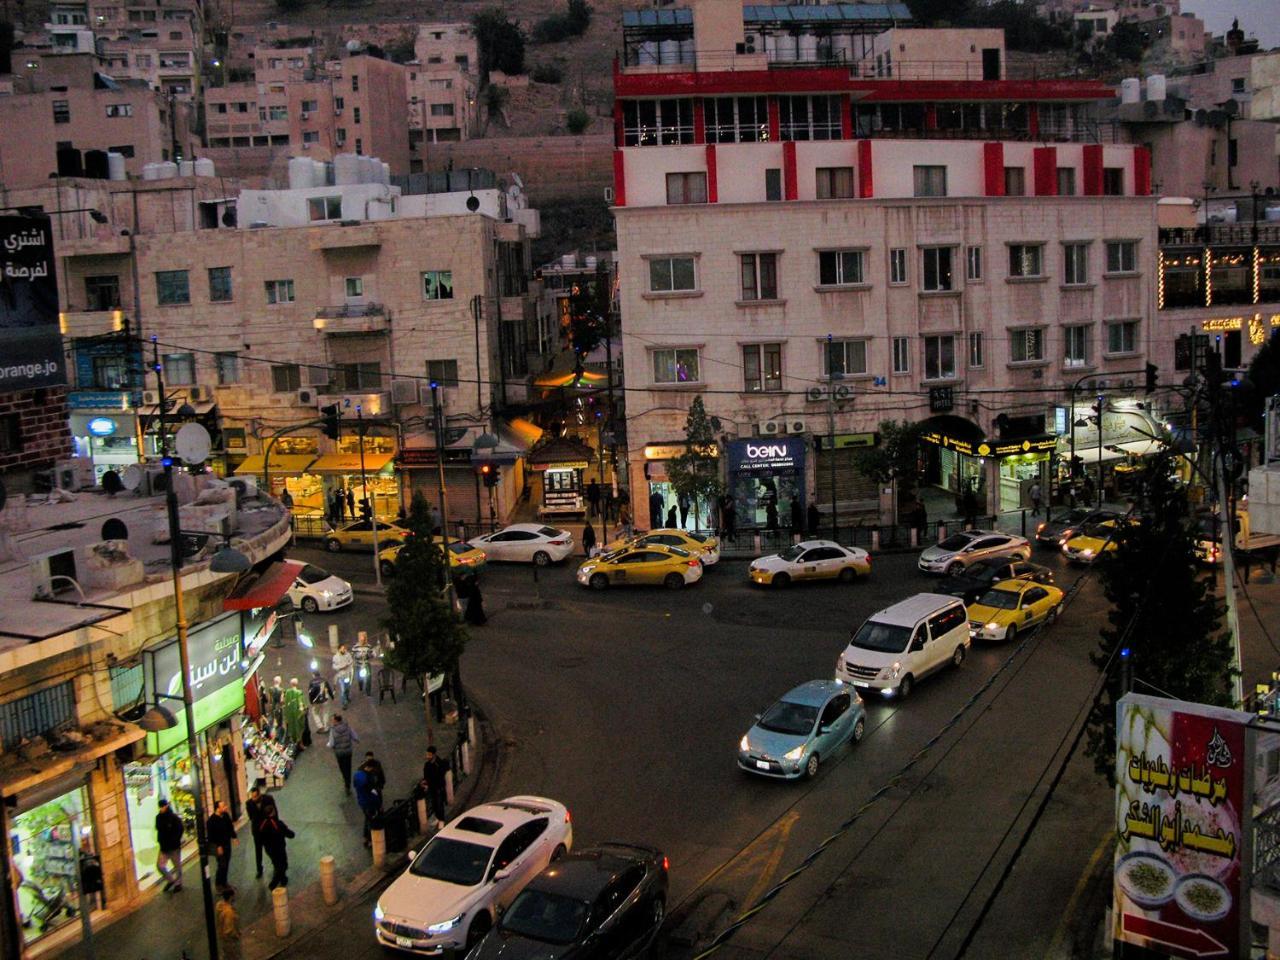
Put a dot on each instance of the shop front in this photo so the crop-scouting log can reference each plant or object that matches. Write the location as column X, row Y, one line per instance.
column 1020, row 465
column 559, row 465
column 419, row 468
column 286, row 469
column 1102, row 461
column 660, row 496
column 104, row 430
column 369, row 474
column 765, row 477
column 48, row 835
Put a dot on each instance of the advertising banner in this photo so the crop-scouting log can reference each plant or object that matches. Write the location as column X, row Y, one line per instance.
column 30, row 338
column 1182, row 819
column 217, row 669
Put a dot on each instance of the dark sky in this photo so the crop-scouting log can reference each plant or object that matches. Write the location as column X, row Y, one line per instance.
column 1257, row 17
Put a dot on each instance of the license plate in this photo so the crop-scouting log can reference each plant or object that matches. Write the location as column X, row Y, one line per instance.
column 861, row 685
column 762, row 764
column 404, row 942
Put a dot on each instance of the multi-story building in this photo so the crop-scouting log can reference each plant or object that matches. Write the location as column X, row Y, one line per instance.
column 443, row 82
column 814, row 249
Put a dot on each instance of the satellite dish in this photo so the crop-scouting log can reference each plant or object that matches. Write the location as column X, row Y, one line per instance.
column 229, row 217
column 192, row 443
column 132, row 478
column 515, row 177
column 473, row 203
column 111, row 483
column 115, row 529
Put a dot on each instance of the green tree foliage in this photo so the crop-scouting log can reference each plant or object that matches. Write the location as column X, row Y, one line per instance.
column 501, row 43
column 934, row 12
column 547, row 73
column 589, row 306
column 564, row 26
column 1125, row 42
column 1162, row 609
column 894, row 458
column 1263, row 379
column 577, row 120
column 426, row 636
column 696, row 472
column 6, row 46
column 1025, row 28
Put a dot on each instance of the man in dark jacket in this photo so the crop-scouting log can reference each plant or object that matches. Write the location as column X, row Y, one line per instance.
column 221, row 832
column 342, row 740
column 274, row 834
column 253, row 808
column 169, row 840
column 433, row 771
column 369, row 793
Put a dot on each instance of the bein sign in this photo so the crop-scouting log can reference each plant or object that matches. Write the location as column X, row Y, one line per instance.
column 755, row 455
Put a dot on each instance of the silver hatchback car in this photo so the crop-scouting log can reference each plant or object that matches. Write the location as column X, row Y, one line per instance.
column 956, row 552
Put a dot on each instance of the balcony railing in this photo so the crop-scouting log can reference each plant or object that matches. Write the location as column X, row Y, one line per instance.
column 1220, row 233
column 348, row 310
column 352, row 318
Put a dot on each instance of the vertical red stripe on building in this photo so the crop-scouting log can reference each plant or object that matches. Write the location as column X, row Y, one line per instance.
column 931, row 116
column 619, row 180
column 1033, row 120
column 846, row 117
column 866, row 185
column 993, row 169
column 775, row 121
column 790, row 182
column 1093, row 169
column 713, row 191
column 1142, row 171
column 699, row 121
column 617, row 123
column 1044, row 167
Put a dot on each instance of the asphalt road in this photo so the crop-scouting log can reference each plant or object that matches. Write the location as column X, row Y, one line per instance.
column 628, row 705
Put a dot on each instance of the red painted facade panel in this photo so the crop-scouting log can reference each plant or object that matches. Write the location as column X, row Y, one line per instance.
column 1141, row 171
column 790, row 182
column 993, row 169
column 866, row 184
column 619, row 179
column 846, row 118
column 617, row 123
column 1044, row 166
column 699, row 122
column 713, row 190
column 1092, row 170
column 775, row 121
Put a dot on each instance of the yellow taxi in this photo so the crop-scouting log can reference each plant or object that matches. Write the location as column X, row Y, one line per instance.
column 652, row 563
column 702, row 545
column 359, row 535
column 1013, row 605
column 463, row 557
column 1092, row 541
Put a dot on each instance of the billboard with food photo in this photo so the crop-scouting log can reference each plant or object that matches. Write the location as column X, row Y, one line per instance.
column 1182, row 821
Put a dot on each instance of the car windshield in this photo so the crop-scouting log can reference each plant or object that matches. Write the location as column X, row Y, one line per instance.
column 679, row 552
column 613, row 557
column 787, row 717
column 550, row 917
column 883, row 637
column 999, row 599
column 551, row 532
column 453, row 861
column 460, row 548
column 983, row 569
column 790, row 554
column 1070, row 518
column 957, row 541
column 312, row 574
column 700, row 537
column 1098, row 530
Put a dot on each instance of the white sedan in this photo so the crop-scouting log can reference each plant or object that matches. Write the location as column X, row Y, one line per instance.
column 810, row 560
column 468, row 873
column 317, row 589
column 526, row 543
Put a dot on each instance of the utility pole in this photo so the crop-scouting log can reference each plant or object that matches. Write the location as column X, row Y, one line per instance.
column 832, row 375
column 1225, row 531
column 368, row 498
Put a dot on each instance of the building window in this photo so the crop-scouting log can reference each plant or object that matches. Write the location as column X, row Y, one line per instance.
column 759, row 276
column 437, row 285
column 109, row 373
column 736, row 119
column 1066, row 181
column 938, row 276
column 1113, row 181
column 102, row 293
column 898, row 265
column 286, row 378
column 773, row 184
column 228, row 366
column 441, row 110
column 279, row 291
column 1075, row 263
column 930, row 181
column 443, row 373
column 834, row 183
column 1075, row 349
column 1026, row 260
column 338, row 104
column 676, row 366
column 37, row 715
column 125, row 150
column 119, row 109
column 844, row 358
column 354, row 287
column 837, row 268
column 340, row 136
column 1015, row 182
column 647, row 123
column 762, row 367
column 355, row 84
column 975, row 350
column 179, row 368
column 142, row 61
column 901, row 355
column 1122, row 256
column 1237, row 85
column 62, row 111
column 686, row 188
column 973, row 263
column 671, row 274
column 172, row 287
column 359, row 146
column 324, row 208
column 1026, row 346
column 358, row 376
column 219, row 284
column 355, row 114
column 940, row 358
column 310, row 106
column 806, row 117
column 1122, row 337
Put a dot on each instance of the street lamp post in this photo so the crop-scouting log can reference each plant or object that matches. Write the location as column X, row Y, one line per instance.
column 364, row 487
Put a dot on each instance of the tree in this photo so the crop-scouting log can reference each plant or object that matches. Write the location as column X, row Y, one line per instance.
column 577, row 121
column 1163, row 611
column 589, row 306
column 501, row 43
column 426, row 637
column 1262, row 380
column 930, row 12
column 696, row 472
column 1126, row 42
column 894, row 458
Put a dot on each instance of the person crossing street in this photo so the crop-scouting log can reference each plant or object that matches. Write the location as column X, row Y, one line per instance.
column 342, row 741
column 319, row 695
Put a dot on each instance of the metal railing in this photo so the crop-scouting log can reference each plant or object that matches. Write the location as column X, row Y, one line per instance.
column 351, row 310
column 1239, row 234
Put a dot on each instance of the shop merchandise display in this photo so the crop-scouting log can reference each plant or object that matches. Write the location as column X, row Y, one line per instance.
column 273, row 759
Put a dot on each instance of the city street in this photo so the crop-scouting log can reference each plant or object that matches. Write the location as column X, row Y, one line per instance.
column 628, row 706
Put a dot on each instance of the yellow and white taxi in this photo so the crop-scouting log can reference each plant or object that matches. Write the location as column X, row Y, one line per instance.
column 654, row 564
column 1013, row 605
column 811, row 560
column 463, row 558
column 704, row 546
column 359, row 535
column 1092, row 541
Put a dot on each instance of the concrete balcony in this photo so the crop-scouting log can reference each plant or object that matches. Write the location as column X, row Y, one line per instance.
column 348, row 318
column 343, row 237
column 90, row 323
column 101, row 242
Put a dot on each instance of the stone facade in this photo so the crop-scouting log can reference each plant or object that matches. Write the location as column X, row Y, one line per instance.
column 37, row 420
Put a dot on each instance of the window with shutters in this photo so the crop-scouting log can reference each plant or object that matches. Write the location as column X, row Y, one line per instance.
column 762, row 367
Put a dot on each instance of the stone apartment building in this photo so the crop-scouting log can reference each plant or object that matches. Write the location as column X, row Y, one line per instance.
column 443, row 83
column 814, row 249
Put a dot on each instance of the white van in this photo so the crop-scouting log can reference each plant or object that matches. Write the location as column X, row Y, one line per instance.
column 904, row 642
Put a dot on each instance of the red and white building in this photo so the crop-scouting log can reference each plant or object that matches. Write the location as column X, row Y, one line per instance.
column 802, row 191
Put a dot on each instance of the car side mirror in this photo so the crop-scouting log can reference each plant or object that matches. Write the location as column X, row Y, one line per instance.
column 825, row 728
column 413, row 854
column 917, row 646
column 757, row 717
column 501, row 874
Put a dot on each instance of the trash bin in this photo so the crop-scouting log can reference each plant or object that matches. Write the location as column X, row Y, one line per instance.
column 395, row 822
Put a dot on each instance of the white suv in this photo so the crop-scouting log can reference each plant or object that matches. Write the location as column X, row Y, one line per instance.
column 469, row 872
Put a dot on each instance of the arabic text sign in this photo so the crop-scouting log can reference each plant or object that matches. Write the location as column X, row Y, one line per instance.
column 1181, row 822
column 216, row 676
column 30, row 340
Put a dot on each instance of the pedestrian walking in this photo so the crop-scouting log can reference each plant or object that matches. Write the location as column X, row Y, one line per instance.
column 286, row 498
column 593, row 497
column 362, row 662
column 433, row 783
column 655, row 510
column 797, row 522
column 374, row 766
column 169, row 832
column 1035, row 494
column 771, row 515
column 253, row 808
column 624, row 519
column 474, row 612
column 274, row 834
column 436, row 519
column 227, row 920
column 319, row 695
column 610, row 504
column 671, row 517
column 682, row 501
column 274, row 704
column 339, row 505
column 351, row 503
column 729, row 516
column 295, row 713
column 812, row 518
column 588, row 539
column 342, row 740
column 344, row 666
column 221, row 832
column 368, row 797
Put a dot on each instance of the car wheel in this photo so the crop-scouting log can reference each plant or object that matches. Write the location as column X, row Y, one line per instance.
column 847, row 575
column 479, row 927
column 657, row 913
column 781, row 581
column 673, row 581
column 1011, row 633
column 811, row 768
column 859, row 731
column 559, row 852
column 542, row 558
column 1054, row 614
column 387, row 567
column 309, row 604
column 332, row 545
column 957, row 658
column 904, row 687
column 955, row 568
column 598, row 581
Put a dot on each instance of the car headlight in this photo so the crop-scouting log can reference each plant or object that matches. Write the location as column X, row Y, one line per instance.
column 586, row 568
column 327, row 594
column 1087, row 553
column 1041, row 527
column 892, row 672
column 377, row 913
column 444, row 926
column 795, row 754
column 993, row 625
column 744, row 744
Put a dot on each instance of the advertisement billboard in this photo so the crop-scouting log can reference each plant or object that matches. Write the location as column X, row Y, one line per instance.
column 1182, row 820
column 216, row 649
column 30, row 338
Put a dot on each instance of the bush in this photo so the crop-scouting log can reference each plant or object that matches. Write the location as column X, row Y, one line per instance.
column 547, row 73
column 578, row 120
column 501, row 43
column 564, row 26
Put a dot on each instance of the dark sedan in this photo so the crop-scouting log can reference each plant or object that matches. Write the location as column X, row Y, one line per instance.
column 979, row 578
column 1057, row 529
column 604, row 902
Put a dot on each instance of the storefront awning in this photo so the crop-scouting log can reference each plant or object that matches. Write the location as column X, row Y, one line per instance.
column 585, row 381
column 561, row 452
column 280, row 464
column 266, row 589
column 526, row 430
column 23, row 775
column 347, row 463
column 1115, row 451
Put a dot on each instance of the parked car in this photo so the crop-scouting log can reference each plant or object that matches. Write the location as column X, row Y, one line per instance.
column 317, row 589
column 469, row 872
column 811, row 560
column 1011, row 606
column 359, row 534
column 702, row 545
column 653, row 565
column 526, row 543
column 976, row 580
column 1092, row 541
column 810, row 722
column 966, row 548
column 606, row 903
column 902, row 643
column 463, row 557
column 1054, row 531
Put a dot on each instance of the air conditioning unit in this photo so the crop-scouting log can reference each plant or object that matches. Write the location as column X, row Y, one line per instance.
column 796, row 425
column 1128, row 382
column 404, row 391
column 815, row 394
column 245, row 485
column 52, row 573
column 771, row 428
column 843, row 393
column 337, row 111
column 153, row 482
column 150, row 398
column 74, row 474
column 307, row 396
column 201, row 394
column 1102, row 385
column 306, row 116
column 306, row 145
column 608, row 194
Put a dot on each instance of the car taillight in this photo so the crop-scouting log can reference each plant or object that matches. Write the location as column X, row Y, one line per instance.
column 666, row 864
column 568, row 817
column 692, row 563
column 558, row 543
column 1041, row 527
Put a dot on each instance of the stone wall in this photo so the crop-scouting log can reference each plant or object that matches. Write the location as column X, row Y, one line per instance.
column 552, row 168
column 44, row 433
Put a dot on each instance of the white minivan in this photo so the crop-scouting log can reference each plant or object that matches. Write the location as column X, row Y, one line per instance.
column 902, row 643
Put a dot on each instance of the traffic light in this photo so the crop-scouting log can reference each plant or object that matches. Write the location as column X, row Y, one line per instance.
column 330, row 417
column 489, row 472
column 1152, row 371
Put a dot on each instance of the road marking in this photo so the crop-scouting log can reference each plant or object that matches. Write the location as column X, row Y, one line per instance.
column 783, row 831
column 1060, row 935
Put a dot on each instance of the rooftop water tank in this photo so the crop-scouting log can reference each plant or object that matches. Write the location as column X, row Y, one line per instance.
column 149, row 171
column 300, row 173
column 186, row 168
column 166, row 170
column 1130, row 90
column 808, row 47
column 204, row 167
column 1156, row 86
column 346, row 169
column 115, row 166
